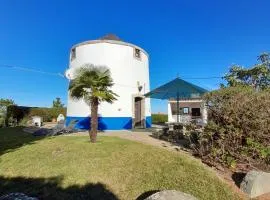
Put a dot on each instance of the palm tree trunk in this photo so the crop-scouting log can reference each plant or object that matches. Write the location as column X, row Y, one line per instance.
column 94, row 120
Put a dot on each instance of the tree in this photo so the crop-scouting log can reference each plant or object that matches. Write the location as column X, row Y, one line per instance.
column 92, row 84
column 258, row 76
column 4, row 103
column 264, row 58
column 57, row 103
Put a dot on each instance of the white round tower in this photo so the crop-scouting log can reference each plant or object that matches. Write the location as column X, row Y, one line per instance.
column 129, row 68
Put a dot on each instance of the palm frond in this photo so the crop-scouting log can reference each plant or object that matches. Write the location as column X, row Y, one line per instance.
column 92, row 82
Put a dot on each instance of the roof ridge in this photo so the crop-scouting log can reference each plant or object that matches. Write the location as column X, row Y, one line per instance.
column 110, row 36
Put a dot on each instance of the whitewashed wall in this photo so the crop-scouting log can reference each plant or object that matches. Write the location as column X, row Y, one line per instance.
column 126, row 71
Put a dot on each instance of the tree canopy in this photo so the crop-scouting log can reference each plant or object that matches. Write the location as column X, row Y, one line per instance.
column 238, row 131
column 257, row 76
column 57, row 103
column 4, row 103
column 92, row 82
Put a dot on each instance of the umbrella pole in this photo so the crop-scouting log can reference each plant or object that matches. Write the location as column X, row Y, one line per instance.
column 177, row 107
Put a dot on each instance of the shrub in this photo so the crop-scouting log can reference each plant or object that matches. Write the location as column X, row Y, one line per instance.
column 24, row 121
column 20, row 113
column 2, row 122
column 159, row 118
column 239, row 127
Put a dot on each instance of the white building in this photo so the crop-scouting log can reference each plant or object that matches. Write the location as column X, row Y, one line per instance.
column 189, row 110
column 129, row 68
column 37, row 121
column 185, row 102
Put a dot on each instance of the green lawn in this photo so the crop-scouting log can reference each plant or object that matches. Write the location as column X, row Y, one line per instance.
column 65, row 167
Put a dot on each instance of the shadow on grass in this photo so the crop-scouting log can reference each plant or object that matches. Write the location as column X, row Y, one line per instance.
column 12, row 138
column 146, row 194
column 50, row 188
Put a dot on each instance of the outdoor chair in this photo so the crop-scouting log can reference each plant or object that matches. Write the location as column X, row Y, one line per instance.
column 61, row 129
column 171, row 129
column 58, row 128
column 70, row 128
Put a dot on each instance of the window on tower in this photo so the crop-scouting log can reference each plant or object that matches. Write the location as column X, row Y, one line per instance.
column 73, row 53
column 137, row 53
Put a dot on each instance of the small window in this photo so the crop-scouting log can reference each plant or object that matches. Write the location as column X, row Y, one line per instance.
column 137, row 53
column 73, row 53
column 184, row 110
column 196, row 112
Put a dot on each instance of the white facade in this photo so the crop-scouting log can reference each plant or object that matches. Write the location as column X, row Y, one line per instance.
column 60, row 117
column 128, row 73
column 196, row 110
column 37, row 121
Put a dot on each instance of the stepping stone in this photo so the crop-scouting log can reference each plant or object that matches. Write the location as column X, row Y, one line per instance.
column 170, row 195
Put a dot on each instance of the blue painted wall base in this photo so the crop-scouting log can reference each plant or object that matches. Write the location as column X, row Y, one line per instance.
column 148, row 122
column 106, row 123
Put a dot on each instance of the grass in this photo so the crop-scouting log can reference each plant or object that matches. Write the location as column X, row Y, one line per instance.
column 72, row 168
column 159, row 118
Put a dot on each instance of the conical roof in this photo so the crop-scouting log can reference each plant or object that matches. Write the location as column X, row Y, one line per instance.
column 110, row 36
column 177, row 88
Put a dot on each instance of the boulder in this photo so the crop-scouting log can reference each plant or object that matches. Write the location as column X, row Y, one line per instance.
column 256, row 183
column 170, row 195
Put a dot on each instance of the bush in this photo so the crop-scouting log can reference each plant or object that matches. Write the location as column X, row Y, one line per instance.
column 24, row 121
column 24, row 113
column 159, row 118
column 2, row 122
column 239, row 127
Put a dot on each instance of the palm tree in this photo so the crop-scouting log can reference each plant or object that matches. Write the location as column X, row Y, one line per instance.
column 92, row 84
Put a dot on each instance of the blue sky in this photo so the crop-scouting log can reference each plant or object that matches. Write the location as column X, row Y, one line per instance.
column 189, row 38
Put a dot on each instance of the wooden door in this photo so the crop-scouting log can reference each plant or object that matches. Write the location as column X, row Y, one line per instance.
column 138, row 112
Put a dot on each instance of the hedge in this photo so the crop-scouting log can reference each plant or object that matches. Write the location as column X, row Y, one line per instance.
column 21, row 112
column 238, row 132
column 159, row 118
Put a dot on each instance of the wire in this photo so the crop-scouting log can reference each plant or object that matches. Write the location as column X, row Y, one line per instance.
column 62, row 76
column 59, row 74
column 31, row 70
column 211, row 77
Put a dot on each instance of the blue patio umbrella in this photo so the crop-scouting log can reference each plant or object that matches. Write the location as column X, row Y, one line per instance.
column 177, row 89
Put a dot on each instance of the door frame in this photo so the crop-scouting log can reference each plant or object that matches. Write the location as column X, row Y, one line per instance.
column 143, row 122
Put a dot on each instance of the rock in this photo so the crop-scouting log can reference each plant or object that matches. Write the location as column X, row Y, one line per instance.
column 256, row 183
column 170, row 195
column 263, row 197
column 16, row 196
